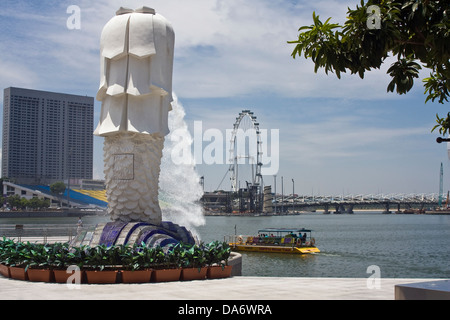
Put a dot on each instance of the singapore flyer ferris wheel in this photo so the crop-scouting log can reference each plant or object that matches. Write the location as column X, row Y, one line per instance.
column 245, row 152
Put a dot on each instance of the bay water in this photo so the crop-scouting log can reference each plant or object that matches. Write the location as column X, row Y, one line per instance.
column 351, row 245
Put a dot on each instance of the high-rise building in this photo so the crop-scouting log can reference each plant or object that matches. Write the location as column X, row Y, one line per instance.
column 47, row 136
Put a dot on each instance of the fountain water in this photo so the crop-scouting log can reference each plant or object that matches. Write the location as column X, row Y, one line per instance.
column 179, row 183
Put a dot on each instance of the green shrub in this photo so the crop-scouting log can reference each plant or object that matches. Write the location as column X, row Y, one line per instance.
column 135, row 257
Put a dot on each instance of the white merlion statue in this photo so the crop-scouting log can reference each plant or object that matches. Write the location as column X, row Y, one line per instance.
column 136, row 52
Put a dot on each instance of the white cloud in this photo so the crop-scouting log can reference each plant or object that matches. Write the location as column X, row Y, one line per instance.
column 223, row 48
column 344, row 138
column 16, row 74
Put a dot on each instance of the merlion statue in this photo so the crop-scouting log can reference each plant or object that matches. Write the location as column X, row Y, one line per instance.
column 136, row 59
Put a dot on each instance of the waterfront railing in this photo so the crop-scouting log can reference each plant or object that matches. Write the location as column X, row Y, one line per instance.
column 42, row 232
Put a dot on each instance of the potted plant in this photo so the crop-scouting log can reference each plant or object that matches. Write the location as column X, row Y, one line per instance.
column 100, row 264
column 5, row 246
column 16, row 260
column 62, row 257
column 217, row 254
column 166, row 265
column 22, row 257
column 37, row 261
column 194, row 263
column 136, row 263
column 59, row 259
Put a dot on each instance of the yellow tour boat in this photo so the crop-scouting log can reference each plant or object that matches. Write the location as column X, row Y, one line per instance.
column 276, row 240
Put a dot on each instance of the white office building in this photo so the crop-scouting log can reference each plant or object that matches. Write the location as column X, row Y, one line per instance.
column 47, row 136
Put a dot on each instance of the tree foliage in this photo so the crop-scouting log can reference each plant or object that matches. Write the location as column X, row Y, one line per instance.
column 16, row 201
column 58, row 188
column 416, row 32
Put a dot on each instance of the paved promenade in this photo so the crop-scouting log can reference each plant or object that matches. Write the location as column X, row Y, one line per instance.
column 235, row 288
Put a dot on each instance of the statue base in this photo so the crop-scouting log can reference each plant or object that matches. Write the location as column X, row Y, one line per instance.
column 129, row 233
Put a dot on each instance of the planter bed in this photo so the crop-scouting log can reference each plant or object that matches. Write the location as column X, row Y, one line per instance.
column 18, row 273
column 194, row 273
column 136, row 276
column 4, row 271
column 40, row 275
column 48, row 262
column 217, row 272
column 166, row 275
column 117, row 276
column 61, row 275
column 101, row 277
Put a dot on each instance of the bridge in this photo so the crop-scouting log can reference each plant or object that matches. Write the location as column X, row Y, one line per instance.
column 346, row 203
column 227, row 201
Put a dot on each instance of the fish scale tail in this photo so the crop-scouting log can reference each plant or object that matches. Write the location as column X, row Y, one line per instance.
column 132, row 167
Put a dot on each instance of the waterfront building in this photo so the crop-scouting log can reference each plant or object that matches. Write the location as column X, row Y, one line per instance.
column 47, row 136
column 78, row 198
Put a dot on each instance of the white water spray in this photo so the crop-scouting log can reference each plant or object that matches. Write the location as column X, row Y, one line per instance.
column 179, row 183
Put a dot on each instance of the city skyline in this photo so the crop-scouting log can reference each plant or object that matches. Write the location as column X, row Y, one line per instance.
column 335, row 136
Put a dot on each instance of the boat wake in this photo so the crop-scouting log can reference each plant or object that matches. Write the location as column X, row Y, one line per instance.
column 328, row 254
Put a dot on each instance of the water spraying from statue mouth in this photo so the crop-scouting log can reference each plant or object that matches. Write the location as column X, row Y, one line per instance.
column 179, row 185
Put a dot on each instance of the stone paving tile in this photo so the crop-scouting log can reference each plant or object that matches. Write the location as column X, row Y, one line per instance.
column 236, row 288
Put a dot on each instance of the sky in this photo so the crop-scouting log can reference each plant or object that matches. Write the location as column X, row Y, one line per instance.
column 346, row 136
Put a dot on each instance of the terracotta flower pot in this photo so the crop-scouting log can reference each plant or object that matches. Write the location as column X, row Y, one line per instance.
column 18, row 273
column 4, row 271
column 216, row 272
column 61, row 276
column 40, row 275
column 136, row 276
column 101, row 277
column 193, row 274
column 165, row 275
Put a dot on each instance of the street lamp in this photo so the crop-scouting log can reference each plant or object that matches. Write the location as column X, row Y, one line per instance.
column 293, row 195
column 440, row 140
column 282, row 195
column 202, row 183
column 275, row 192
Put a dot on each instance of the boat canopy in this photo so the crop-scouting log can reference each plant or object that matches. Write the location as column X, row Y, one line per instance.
column 284, row 230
